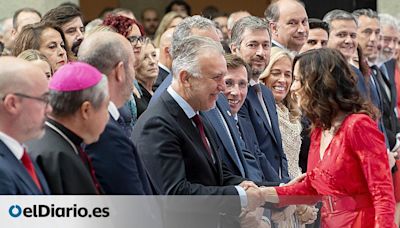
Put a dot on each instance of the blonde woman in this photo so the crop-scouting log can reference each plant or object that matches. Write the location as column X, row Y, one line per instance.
column 38, row 59
column 278, row 77
column 170, row 20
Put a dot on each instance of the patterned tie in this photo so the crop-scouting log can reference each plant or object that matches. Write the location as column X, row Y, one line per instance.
column 86, row 160
column 199, row 124
column 26, row 161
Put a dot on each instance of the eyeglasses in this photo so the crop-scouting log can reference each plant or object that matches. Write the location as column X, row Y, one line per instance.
column 45, row 98
column 135, row 39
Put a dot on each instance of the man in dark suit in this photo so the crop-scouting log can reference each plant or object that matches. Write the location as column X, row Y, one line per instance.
column 165, row 59
column 23, row 109
column 251, row 41
column 116, row 162
column 79, row 97
column 236, row 156
column 195, row 25
column 177, row 146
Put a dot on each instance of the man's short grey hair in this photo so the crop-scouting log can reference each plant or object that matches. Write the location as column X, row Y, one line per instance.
column 68, row 103
column 251, row 23
column 184, row 29
column 338, row 14
column 365, row 12
column 272, row 12
column 105, row 54
column 186, row 56
column 388, row 20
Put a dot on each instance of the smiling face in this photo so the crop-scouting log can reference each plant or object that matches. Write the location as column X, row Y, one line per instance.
column 53, row 47
column 291, row 30
column 203, row 90
column 279, row 79
column 236, row 87
column 254, row 50
column 343, row 37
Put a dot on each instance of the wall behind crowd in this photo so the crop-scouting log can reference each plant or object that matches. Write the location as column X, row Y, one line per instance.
column 92, row 8
column 8, row 7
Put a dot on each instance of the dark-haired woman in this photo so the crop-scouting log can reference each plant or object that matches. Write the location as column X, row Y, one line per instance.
column 348, row 163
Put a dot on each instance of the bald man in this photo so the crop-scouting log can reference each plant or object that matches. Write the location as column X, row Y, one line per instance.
column 116, row 162
column 288, row 23
column 165, row 60
column 23, row 109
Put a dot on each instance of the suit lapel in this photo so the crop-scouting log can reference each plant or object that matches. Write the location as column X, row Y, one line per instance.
column 253, row 98
column 19, row 169
column 191, row 131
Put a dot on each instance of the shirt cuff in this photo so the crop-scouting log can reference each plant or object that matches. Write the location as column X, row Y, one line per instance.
column 242, row 195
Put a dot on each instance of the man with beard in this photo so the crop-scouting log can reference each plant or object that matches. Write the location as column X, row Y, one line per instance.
column 288, row 22
column 251, row 41
column 23, row 109
column 150, row 21
column 69, row 19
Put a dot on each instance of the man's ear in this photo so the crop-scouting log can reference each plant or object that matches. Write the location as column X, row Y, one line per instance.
column 184, row 77
column 273, row 28
column 234, row 49
column 86, row 110
column 119, row 72
column 11, row 104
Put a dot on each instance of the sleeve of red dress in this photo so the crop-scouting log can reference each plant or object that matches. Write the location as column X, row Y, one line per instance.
column 300, row 193
column 369, row 146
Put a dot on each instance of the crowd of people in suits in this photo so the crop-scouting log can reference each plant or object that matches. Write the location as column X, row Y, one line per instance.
column 282, row 112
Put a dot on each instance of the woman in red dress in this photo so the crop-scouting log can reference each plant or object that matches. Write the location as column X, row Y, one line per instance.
column 348, row 161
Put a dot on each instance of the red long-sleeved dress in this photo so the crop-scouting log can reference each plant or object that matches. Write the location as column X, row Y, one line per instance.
column 353, row 178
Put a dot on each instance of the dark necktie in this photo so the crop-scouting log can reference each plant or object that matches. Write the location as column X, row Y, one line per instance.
column 86, row 160
column 242, row 143
column 199, row 124
column 26, row 161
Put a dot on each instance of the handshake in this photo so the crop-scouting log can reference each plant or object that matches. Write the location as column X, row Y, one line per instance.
column 252, row 215
column 258, row 196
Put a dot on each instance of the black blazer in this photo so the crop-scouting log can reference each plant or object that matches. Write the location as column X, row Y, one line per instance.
column 63, row 168
column 174, row 155
column 117, row 164
column 15, row 179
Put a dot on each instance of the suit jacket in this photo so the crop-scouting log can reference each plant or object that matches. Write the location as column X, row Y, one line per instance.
column 235, row 155
column 163, row 86
column 15, row 179
column 117, row 164
column 391, row 69
column 177, row 160
column 174, row 154
column 268, row 137
column 162, row 74
column 390, row 121
column 64, row 170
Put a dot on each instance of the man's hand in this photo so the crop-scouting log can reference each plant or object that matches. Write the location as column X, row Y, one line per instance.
column 392, row 158
column 247, row 184
column 254, row 198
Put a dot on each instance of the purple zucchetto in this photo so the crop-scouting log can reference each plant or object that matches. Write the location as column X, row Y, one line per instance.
column 74, row 76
